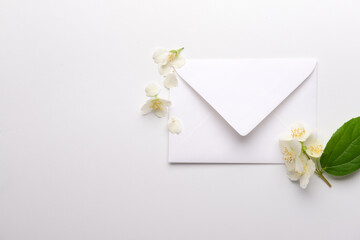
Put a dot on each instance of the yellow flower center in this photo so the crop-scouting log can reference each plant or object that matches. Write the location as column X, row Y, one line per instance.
column 171, row 57
column 317, row 149
column 299, row 174
column 288, row 155
column 156, row 104
column 297, row 132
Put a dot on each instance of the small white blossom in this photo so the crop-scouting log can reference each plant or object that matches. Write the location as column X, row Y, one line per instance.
column 298, row 166
column 313, row 147
column 175, row 125
column 291, row 151
column 152, row 90
column 170, row 80
column 157, row 105
column 309, row 169
column 168, row 59
column 299, row 132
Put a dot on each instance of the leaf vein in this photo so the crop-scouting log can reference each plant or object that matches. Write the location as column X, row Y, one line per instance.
column 347, row 148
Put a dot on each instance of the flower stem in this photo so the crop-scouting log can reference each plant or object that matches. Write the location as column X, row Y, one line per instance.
column 318, row 166
column 319, row 173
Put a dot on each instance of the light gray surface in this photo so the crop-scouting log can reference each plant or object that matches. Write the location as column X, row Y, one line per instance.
column 78, row 161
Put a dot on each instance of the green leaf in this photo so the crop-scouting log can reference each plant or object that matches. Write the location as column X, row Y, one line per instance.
column 342, row 153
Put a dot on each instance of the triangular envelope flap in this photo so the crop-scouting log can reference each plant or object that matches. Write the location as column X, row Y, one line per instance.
column 245, row 91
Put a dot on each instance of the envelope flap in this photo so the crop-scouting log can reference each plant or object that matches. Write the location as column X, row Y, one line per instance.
column 245, row 91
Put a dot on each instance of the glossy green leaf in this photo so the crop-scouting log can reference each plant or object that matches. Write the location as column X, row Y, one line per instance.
column 342, row 153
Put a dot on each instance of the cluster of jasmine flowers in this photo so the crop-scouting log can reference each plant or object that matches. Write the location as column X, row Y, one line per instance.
column 301, row 153
column 167, row 62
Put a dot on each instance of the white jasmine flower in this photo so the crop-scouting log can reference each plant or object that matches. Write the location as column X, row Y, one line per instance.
column 299, row 132
column 170, row 80
column 298, row 166
column 291, row 151
column 313, row 147
column 157, row 105
column 168, row 59
column 152, row 90
column 309, row 169
column 175, row 125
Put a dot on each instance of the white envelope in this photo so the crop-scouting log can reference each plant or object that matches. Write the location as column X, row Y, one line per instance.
column 234, row 110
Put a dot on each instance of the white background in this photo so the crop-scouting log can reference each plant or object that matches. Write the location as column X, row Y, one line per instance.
column 78, row 161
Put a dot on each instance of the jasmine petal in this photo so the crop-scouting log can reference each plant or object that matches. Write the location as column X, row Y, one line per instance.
column 160, row 56
column 175, row 125
column 146, row 108
column 152, row 90
column 309, row 169
column 179, row 62
column 170, row 81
